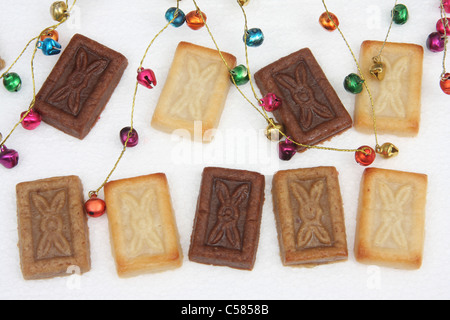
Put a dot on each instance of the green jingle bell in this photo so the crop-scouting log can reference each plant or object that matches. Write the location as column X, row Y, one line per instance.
column 240, row 75
column 12, row 82
column 400, row 14
column 353, row 83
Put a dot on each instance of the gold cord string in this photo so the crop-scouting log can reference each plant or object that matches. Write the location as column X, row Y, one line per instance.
column 92, row 193
column 378, row 57
column 54, row 27
column 360, row 74
column 445, row 24
column 262, row 110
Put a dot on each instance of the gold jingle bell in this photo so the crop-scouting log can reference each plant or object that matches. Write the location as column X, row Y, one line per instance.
column 378, row 70
column 58, row 10
column 243, row 2
column 273, row 132
column 387, row 150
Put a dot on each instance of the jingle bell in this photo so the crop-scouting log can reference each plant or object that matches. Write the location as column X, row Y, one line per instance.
column 353, row 83
column 180, row 18
column 445, row 83
column 95, row 207
column 147, row 78
column 240, row 75
column 365, row 158
column 12, row 82
column 387, row 150
column 270, row 102
column 286, row 150
column 133, row 138
column 31, row 121
column 196, row 20
column 9, row 158
column 244, row 2
column 253, row 37
column 59, row 11
column 378, row 70
column 49, row 47
column 273, row 132
column 52, row 34
column 327, row 23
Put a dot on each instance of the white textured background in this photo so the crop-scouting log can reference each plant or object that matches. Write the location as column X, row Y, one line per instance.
column 288, row 25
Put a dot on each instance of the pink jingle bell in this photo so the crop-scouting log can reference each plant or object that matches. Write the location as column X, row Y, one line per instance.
column 32, row 120
column 9, row 158
column 440, row 27
column 286, row 149
column 147, row 78
column 270, row 102
column 446, row 5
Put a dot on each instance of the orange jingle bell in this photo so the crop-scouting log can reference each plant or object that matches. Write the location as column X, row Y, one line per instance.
column 365, row 158
column 52, row 34
column 445, row 83
column 95, row 207
column 327, row 23
column 194, row 19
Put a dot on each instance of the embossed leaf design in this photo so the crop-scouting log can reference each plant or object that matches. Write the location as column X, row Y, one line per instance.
column 77, row 81
column 310, row 213
column 392, row 215
column 51, row 224
column 391, row 89
column 303, row 96
column 192, row 94
column 228, row 214
column 141, row 221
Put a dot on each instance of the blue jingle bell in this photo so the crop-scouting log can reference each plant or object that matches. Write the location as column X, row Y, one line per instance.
column 254, row 37
column 180, row 18
column 49, row 47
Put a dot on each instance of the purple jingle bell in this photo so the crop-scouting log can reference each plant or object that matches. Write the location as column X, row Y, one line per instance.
column 286, row 149
column 436, row 42
column 9, row 158
column 270, row 102
column 134, row 137
column 147, row 78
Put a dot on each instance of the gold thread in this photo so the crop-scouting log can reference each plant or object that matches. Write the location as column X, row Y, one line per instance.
column 92, row 193
column 54, row 27
column 263, row 113
column 445, row 24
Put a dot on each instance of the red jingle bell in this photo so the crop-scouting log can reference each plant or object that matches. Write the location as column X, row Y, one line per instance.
column 95, row 207
column 365, row 158
column 445, row 83
column 196, row 20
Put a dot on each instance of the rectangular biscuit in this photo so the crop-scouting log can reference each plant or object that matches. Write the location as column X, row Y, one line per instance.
column 397, row 98
column 391, row 219
column 144, row 235
column 2, row 63
column 53, row 230
column 310, row 216
column 79, row 86
column 311, row 111
column 195, row 92
column 228, row 218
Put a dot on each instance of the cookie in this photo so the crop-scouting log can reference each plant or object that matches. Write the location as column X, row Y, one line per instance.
column 144, row 235
column 310, row 217
column 228, row 218
column 311, row 111
column 53, row 230
column 391, row 219
column 79, row 86
column 2, row 63
column 397, row 98
column 195, row 92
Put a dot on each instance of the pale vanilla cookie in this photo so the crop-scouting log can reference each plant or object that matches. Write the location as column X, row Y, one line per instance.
column 391, row 218
column 144, row 235
column 310, row 216
column 195, row 92
column 397, row 98
column 2, row 63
